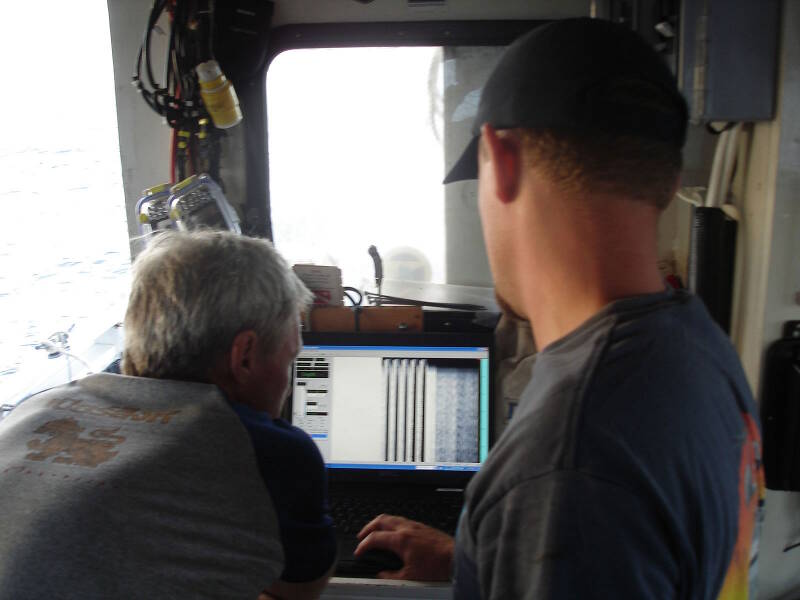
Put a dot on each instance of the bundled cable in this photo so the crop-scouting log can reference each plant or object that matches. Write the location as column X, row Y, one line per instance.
column 194, row 90
column 178, row 98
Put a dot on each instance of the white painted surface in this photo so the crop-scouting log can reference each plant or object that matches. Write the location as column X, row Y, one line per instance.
column 144, row 138
column 780, row 568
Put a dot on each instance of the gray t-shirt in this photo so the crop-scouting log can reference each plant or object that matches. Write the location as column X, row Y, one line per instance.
column 631, row 468
column 127, row 487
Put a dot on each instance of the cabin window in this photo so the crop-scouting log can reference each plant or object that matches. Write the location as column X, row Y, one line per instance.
column 64, row 254
column 359, row 142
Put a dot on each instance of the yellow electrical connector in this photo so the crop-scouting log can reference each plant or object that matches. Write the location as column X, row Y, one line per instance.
column 218, row 95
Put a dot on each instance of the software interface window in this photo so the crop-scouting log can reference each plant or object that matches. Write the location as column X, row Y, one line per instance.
column 394, row 407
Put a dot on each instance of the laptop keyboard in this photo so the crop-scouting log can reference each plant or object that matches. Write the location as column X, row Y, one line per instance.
column 440, row 510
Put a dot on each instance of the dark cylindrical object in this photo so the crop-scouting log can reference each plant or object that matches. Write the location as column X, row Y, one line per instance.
column 780, row 411
column 712, row 257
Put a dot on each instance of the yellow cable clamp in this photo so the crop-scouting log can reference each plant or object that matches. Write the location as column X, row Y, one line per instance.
column 182, row 184
column 156, row 189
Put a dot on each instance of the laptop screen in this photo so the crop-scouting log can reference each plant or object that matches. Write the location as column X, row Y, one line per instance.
column 382, row 401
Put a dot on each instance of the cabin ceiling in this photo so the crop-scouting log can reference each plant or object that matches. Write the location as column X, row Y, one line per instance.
column 350, row 11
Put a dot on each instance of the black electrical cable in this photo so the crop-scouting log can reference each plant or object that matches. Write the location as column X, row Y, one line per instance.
column 178, row 99
column 150, row 96
column 171, row 63
column 155, row 15
column 146, row 44
column 348, row 290
column 384, row 299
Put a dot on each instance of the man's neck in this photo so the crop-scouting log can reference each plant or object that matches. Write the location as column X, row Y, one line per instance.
column 554, row 315
column 593, row 260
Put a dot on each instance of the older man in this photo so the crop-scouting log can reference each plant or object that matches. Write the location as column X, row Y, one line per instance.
column 177, row 478
column 631, row 468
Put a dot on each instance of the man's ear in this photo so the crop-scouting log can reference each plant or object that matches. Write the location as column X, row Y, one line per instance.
column 242, row 355
column 505, row 155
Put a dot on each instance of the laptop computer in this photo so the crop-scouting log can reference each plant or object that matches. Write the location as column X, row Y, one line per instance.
column 403, row 421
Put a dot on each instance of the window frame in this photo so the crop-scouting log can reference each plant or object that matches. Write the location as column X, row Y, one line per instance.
column 253, row 95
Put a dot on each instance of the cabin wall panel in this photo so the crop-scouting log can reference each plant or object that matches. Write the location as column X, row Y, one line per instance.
column 144, row 137
column 769, row 257
column 756, row 191
column 343, row 11
column 466, row 259
column 784, row 275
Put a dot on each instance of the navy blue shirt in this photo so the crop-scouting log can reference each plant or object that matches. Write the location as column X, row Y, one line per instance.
column 631, row 468
column 294, row 473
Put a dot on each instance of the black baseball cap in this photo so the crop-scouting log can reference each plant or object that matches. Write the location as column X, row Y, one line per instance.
column 579, row 76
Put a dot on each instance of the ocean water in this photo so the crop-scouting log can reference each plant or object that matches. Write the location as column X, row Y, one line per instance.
column 64, row 257
column 64, row 253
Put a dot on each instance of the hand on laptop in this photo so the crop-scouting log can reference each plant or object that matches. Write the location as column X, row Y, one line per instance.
column 427, row 553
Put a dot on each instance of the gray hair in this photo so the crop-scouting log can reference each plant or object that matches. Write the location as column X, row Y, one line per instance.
column 192, row 293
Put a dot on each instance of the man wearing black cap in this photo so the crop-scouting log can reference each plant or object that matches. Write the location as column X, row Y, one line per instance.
column 631, row 468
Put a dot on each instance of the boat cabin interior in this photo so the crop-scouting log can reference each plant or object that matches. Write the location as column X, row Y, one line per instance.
column 327, row 126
